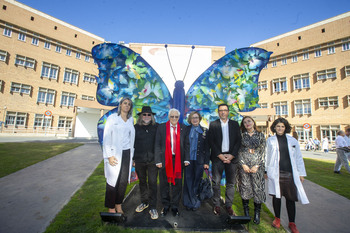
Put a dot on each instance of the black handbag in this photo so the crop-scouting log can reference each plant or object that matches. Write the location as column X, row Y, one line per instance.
column 205, row 188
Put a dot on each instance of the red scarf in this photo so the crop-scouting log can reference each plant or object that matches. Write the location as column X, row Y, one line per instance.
column 172, row 172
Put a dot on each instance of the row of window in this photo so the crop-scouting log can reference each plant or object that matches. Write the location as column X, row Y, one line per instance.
column 303, row 107
column 20, row 119
column 48, row 44
column 306, row 53
column 301, row 81
column 329, row 131
column 47, row 96
column 49, row 70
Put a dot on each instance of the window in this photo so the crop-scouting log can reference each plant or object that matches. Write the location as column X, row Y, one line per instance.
column 305, row 54
column 87, row 58
column 67, row 99
column 7, row 30
column 20, row 88
column 303, row 134
column 68, row 51
column 347, row 69
column 331, row 48
column 301, row 81
column 16, row 118
column 326, row 74
column 78, row 55
column 318, row 51
column 89, row 78
column 262, row 85
column 86, row 97
column 348, row 98
column 47, row 44
column 263, row 105
column 49, row 70
column 22, row 35
column 42, row 121
column 46, row 96
column 281, row 108
column 70, row 76
column 302, row 106
column 58, row 48
column 294, row 57
column 25, row 61
column 3, row 55
column 35, row 39
column 346, row 44
column 328, row 101
column 65, row 122
column 274, row 63
column 284, row 61
column 329, row 131
column 279, row 84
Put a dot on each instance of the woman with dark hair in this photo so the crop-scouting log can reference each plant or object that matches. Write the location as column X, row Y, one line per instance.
column 285, row 171
column 199, row 159
column 118, row 151
column 250, row 175
column 146, row 169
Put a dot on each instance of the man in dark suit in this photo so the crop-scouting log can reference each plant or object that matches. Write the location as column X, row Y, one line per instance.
column 224, row 139
column 171, row 155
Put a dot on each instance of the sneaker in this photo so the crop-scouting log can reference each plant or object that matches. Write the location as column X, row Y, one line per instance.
column 153, row 213
column 293, row 227
column 230, row 211
column 217, row 210
column 276, row 223
column 141, row 207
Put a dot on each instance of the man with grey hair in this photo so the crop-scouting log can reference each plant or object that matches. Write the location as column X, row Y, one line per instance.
column 342, row 149
column 171, row 155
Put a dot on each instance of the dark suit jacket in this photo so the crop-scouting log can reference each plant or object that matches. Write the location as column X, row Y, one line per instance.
column 203, row 154
column 215, row 139
column 160, row 144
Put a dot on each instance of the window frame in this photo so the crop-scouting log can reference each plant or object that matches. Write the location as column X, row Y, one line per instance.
column 20, row 88
column 281, row 105
column 326, row 74
column 331, row 101
column 301, row 77
column 279, row 81
column 68, row 72
column 66, row 121
column 3, row 55
column 70, row 99
column 22, row 35
column 332, row 131
column 87, row 97
column 7, row 30
column 25, row 61
column 15, row 121
column 49, row 96
column 47, row 44
column 45, row 121
column 345, row 44
column 304, row 105
column 89, row 78
column 318, row 51
column 50, row 67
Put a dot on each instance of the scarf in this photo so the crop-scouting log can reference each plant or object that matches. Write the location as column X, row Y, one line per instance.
column 172, row 172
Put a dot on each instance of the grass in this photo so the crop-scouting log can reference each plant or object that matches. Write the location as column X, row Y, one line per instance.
column 16, row 156
column 321, row 173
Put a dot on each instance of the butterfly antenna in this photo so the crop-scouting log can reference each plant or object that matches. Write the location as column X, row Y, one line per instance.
column 166, row 48
column 189, row 61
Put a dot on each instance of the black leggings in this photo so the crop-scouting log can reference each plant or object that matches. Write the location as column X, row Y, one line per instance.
column 276, row 202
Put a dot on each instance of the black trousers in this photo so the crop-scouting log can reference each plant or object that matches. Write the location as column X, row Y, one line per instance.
column 115, row 195
column 147, row 174
column 169, row 193
column 192, row 177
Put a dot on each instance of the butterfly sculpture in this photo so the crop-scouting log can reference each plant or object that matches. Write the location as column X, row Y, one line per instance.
column 233, row 79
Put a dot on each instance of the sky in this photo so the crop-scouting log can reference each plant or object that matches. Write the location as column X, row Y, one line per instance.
column 230, row 23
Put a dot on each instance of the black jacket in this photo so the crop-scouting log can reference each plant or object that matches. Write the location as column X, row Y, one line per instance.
column 145, row 136
column 203, row 154
column 215, row 139
column 160, row 144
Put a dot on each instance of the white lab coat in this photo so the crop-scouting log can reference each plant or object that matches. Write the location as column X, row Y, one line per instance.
column 112, row 145
column 325, row 144
column 272, row 166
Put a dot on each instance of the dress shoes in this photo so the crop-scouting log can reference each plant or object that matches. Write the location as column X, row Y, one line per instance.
column 175, row 212
column 164, row 212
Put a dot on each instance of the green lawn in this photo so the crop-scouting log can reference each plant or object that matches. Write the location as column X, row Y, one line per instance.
column 321, row 173
column 16, row 156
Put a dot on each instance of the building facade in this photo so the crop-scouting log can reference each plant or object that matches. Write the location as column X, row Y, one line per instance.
column 307, row 79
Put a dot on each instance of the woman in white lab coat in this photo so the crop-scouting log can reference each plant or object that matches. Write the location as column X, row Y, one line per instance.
column 285, row 171
column 118, row 151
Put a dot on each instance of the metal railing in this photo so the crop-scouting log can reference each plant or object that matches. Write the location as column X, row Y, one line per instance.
column 52, row 131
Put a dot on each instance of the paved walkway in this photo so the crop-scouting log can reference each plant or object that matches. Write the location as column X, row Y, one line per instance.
column 31, row 197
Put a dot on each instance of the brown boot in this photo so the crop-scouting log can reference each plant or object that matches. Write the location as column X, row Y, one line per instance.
column 276, row 223
column 293, row 227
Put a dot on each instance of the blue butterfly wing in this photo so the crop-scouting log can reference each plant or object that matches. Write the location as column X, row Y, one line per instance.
column 124, row 73
column 233, row 80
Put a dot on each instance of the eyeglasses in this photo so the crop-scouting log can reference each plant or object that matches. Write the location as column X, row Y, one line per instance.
column 174, row 117
column 146, row 114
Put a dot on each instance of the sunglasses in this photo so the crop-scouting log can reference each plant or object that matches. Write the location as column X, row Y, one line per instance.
column 146, row 114
column 174, row 117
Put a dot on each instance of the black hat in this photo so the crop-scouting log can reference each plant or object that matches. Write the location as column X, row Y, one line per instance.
column 146, row 109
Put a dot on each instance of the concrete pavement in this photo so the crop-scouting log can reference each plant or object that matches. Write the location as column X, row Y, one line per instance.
column 31, row 198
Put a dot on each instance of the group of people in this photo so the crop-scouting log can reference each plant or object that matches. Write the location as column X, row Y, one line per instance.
column 178, row 155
